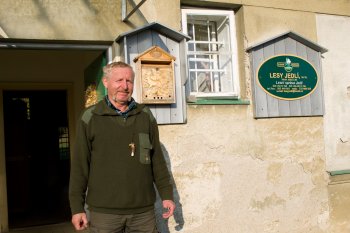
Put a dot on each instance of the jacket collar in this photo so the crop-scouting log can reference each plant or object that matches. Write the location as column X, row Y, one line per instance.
column 102, row 108
column 131, row 106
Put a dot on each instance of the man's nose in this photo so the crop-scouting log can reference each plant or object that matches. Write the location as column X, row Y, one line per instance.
column 125, row 85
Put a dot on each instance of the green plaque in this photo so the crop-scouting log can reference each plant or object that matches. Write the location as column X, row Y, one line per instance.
column 287, row 77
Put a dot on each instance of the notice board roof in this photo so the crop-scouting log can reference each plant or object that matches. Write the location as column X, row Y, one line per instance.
column 294, row 36
column 175, row 35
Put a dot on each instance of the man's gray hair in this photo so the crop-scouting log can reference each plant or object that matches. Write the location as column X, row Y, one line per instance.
column 114, row 65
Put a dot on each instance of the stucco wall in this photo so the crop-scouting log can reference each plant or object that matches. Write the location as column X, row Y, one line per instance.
column 237, row 174
column 80, row 20
column 339, row 200
column 232, row 173
column 335, row 7
column 336, row 120
column 264, row 23
column 337, row 94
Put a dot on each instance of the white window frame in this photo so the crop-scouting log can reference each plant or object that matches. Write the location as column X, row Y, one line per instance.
column 235, row 94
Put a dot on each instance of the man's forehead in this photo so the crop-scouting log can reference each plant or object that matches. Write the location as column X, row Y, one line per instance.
column 122, row 72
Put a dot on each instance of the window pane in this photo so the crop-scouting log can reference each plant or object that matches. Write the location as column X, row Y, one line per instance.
column 209, row 54
column 63, row 143
column 193, row 82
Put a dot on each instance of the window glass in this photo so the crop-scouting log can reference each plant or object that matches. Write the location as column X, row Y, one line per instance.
column 211, row 52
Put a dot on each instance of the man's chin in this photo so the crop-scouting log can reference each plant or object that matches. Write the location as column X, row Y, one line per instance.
column 121, row 100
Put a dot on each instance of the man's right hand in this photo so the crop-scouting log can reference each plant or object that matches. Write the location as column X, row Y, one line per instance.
column 80, row 221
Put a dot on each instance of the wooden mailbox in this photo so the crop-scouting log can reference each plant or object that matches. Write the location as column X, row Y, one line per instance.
column 155, row 72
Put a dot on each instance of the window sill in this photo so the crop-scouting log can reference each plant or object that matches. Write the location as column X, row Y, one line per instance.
column 339, row 172
column 339, row 177
column 219, row 102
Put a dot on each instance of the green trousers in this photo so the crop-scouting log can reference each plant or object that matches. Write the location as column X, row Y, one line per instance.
column 128, row 223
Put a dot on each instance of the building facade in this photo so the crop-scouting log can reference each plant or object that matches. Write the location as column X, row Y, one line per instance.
column 243, row 160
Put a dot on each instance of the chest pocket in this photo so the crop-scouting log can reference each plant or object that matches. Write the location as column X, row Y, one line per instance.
column 145, row 148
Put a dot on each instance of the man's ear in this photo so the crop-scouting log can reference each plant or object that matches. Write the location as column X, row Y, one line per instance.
column 104, row 81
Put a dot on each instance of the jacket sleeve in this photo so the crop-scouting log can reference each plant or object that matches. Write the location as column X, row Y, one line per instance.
column 79, row 171
column 162, row 177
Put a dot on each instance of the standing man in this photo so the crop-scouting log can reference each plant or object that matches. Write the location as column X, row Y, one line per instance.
column 116, row 161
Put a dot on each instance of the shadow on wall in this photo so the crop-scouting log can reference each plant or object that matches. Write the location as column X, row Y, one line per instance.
column 162, row 224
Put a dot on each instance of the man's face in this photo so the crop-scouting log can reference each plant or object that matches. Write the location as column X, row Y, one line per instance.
column 120, row 85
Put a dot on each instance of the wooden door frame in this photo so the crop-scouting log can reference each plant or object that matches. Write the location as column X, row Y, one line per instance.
column 71, row 126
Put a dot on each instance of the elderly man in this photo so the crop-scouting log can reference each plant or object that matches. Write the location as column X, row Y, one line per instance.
column 117, row 159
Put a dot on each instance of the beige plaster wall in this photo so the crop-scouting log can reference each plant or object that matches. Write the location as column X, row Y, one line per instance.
column 339, row 200
column 80, row 20
column 237, row 174
column 336, row 75
column 164, row 12
column 264, row 23
column 336, row 7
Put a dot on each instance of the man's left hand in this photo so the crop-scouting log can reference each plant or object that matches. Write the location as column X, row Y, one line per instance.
column 170, row 206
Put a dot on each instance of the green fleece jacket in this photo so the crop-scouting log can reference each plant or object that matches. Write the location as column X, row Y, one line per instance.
column 105, row 175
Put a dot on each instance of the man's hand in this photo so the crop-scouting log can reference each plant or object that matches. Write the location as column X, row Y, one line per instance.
column 80, row 221
column 170, row 206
